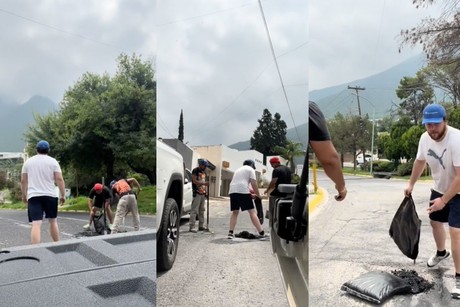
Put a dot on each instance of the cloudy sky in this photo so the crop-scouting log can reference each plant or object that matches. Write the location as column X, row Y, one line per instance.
column 350, row 40
column 215, row 63
column 48, row 45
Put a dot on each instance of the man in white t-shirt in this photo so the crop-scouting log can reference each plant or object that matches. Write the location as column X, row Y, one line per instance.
column 38, row 176
column 439, row 147
column 240, row 196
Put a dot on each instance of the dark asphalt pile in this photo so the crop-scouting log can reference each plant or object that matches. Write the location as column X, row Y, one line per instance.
column 418, row 284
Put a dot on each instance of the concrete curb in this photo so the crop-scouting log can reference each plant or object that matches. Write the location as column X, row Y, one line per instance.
column 316, row 199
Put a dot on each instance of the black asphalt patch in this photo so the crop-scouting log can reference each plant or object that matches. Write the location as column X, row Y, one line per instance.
column 417, row 283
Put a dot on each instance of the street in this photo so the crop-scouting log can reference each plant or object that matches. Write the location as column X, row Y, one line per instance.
column 350, row 238
column 15, row 228
column 212, row 270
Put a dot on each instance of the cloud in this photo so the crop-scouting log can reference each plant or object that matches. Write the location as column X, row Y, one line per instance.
column 349, row 41
column 48, row 47
column 214, row 62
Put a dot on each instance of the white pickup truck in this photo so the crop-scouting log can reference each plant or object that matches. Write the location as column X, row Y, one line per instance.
column 170, row 202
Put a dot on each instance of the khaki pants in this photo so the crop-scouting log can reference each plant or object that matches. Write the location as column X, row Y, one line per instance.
column 126, row 204
column 197, row 209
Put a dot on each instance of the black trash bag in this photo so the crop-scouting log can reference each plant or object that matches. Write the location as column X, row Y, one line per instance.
column 99, row 222
column 405, row 228
column 376, row 287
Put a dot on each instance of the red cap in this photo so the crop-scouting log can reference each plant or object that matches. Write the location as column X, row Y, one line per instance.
column 98, row 187
column 275, row 160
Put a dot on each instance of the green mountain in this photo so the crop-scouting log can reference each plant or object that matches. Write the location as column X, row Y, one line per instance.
column 376, row 99
column 15, row 119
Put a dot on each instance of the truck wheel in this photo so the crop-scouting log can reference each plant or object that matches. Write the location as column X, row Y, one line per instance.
column 168, row 238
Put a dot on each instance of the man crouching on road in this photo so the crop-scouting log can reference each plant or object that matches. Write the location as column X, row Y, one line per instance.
column 240, row 196
column 127, row 202
column 99, row 196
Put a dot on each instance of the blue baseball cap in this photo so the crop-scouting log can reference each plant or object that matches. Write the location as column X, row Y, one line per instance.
column 433, row 114
column 43, row 145
column 202, row 162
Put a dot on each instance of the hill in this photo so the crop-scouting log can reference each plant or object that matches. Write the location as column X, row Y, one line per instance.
column 15, row 119
column 379, row 96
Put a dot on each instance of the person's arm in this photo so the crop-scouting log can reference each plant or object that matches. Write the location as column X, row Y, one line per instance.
column 133, row 181
column 330, row 161
column 196, row 180
column 61, row 185
column 24, row 184
column 417, row 169
column 454, row 188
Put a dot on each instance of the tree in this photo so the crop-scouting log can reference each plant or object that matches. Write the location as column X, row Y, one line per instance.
column 350, row 134
column 415, row 93
column 394, row 150
column 106, row 125
column 289, row 152
column 445, row 78
column 271, row 132
column 409, row 141
column 181, row 127
column 440, row 38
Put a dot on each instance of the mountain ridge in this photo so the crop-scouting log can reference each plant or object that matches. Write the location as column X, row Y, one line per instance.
column 376, row 100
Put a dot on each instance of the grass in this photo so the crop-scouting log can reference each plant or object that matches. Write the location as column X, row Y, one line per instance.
column 145, row 202
column 358, row 171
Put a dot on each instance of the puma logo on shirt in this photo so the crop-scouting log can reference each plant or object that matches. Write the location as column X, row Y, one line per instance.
column 435, row 155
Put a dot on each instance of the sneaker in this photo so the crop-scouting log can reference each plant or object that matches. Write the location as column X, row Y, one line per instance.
column 202, row 228
column 230, row 235
column 87, row 227
column 193, row 230
column 455, row 292
column 109, row 226
column 434, row 260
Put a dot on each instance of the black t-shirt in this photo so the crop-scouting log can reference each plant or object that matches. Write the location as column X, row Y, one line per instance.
column 199, row 174
column 99, row 198
column 283, row 175
column 317, row 128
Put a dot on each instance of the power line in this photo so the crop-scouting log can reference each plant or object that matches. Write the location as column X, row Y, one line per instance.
column 57, row 29
column 277, row 67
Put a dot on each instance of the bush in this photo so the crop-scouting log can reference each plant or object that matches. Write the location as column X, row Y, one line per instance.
column 383, row 166
column 404, row 169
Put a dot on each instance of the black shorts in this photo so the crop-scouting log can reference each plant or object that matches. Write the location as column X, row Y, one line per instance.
column 450, row 213
column 42, row 204
column 241, row 201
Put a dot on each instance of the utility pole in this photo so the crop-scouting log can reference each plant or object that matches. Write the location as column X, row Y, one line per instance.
column 357, row 89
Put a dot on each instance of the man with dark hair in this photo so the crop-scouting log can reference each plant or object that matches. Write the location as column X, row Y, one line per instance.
column 99, row 196
column 38, row 176
column 199, row 185
column 321, row 144
column 281, row 175
column 439, row 147
column 240, row 196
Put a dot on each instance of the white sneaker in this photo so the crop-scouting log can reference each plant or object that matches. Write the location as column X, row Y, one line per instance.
column 87, row 227
column 434, row 260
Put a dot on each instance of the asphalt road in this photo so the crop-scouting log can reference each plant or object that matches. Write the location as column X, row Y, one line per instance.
column 15, row 228
column 212, row 270
column 350, row 238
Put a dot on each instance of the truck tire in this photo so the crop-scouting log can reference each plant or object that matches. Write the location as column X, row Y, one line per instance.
column 168, row 239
